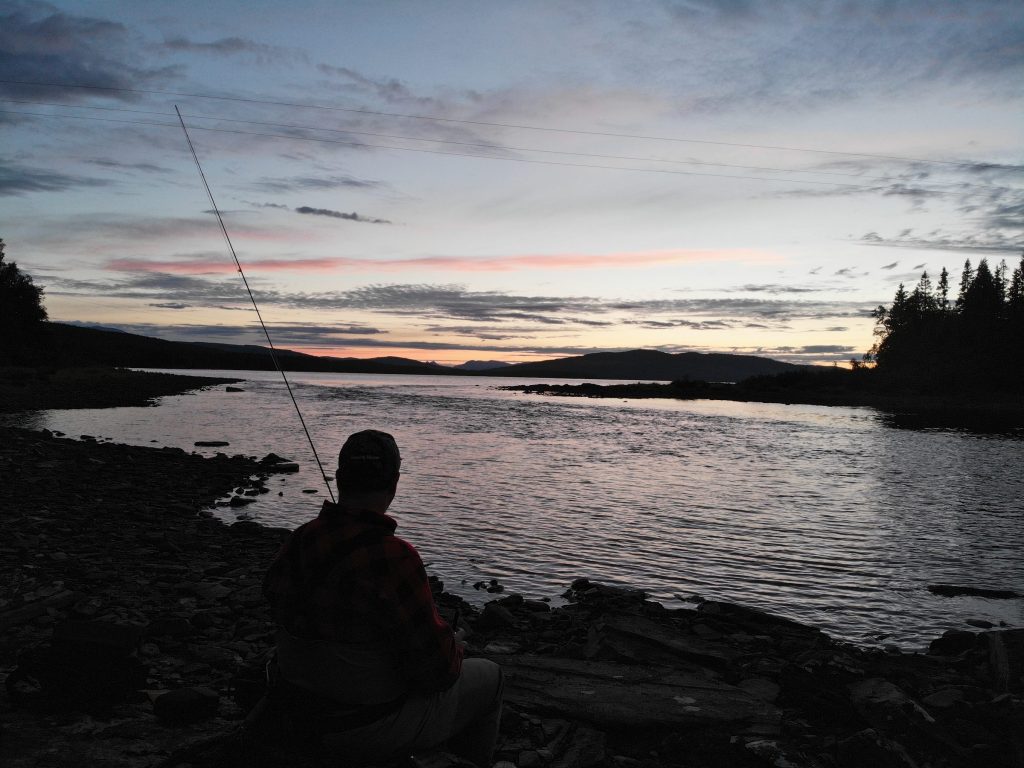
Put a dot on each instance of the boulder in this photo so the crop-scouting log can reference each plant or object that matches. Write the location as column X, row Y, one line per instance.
column 186, row 705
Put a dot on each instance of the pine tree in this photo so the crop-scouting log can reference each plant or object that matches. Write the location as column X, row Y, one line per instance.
column 966, row 278
column 1015, row 292
column 942, row 296
column 922, row 301
column 983, row 300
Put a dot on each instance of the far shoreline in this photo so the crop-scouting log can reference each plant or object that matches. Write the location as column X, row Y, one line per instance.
column 992, row 414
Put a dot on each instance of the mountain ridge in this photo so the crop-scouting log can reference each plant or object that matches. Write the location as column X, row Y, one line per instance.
column 75, row 345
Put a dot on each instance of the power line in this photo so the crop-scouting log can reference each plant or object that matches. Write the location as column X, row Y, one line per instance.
column 516, row 126
column 480, row 145
column 449, row 154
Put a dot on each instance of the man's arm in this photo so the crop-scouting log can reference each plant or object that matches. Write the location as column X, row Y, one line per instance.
column 425, row 646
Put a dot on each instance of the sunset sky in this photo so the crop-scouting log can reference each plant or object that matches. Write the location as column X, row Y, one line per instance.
column 509, row 181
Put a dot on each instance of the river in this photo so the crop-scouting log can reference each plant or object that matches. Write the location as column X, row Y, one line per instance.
column 827, row 515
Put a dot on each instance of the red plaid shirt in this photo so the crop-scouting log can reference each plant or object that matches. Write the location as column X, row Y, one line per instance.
column 346, row 571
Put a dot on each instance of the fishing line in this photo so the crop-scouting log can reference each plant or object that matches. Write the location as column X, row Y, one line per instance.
column 273, row 352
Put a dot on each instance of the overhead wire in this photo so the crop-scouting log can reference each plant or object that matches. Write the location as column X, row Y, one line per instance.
column 366, row 145
column 481, row 145
column 492, row 124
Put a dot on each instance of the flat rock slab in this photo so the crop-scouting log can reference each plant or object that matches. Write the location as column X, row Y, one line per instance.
column 618, row 696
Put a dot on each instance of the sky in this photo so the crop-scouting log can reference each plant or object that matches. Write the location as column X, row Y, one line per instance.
column 509, row 181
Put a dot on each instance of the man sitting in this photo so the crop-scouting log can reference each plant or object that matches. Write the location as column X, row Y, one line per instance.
column 358, row 627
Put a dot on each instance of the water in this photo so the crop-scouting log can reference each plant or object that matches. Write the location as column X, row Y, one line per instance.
column 826, row 515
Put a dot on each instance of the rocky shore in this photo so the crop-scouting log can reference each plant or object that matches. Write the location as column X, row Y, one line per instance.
column 133, row 633
column 24, row 389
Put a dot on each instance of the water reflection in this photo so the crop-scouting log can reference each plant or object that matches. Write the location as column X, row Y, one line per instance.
column 827, row 515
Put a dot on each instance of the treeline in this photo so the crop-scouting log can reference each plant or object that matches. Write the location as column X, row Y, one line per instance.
column 935, row 343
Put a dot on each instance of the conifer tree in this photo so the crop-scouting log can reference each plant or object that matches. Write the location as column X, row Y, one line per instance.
column 966, row 278
column 942, row 297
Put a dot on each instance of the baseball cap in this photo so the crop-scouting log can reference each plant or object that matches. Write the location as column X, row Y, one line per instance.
column 369, row 460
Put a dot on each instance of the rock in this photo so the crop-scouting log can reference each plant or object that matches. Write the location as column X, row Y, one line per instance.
column 887, row 706
column 240, row 501
column 310, row 490
column 980, row 623
column 233, row 389
column 634, row 638
column 621, row 696
column 215, row 656
column 170, row 626
column 283, row 466
column 952, row 590
column 870, row 748
column 944, row 698
column 210, row 443
column 90, row 666
column 761, row 688
column 186, row 705
column 953, row 642
column 495, row 616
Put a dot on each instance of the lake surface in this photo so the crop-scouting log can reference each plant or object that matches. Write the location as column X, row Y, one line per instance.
column 827, row 515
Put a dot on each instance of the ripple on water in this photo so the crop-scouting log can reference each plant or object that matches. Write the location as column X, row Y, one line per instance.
column 826, row 515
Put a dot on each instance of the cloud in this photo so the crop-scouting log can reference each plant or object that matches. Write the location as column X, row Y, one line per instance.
column 452, row 302
column 169, row 305
column 339, row 215
column 736, row 55
column 231, row 46
column 118, row 165
column 386, row 89
column 985, row 242
column 313, row 183
column 18, row 180
column 40, row 44
column 279, row 206
column 893, row 265
column 776, row 288
column 216, row 263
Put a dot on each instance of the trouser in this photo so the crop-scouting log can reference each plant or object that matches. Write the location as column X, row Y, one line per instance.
column 464, row 719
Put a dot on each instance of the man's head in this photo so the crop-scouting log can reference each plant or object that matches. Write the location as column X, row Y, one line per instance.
column 369, row 463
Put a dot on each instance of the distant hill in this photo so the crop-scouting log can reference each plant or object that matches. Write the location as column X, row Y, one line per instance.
column 72, row 345
column 481, row 365
column 64, row 345
column 651, row 365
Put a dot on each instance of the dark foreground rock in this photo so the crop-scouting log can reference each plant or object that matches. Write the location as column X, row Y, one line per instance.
column 133, row 633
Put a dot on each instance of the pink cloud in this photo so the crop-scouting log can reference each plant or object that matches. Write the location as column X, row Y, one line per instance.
column 206, row 266
column 618, row 259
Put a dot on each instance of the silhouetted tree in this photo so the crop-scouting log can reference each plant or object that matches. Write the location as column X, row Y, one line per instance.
column 22, row 330
column 21, row 301
column 966, row 278
column 975, row 345
column 943, row 290
column 1015, row 292
column 983, row 299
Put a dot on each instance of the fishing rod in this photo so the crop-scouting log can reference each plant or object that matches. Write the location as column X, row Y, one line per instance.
column 238, row 264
